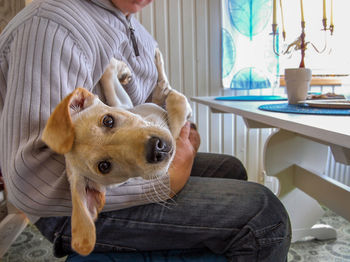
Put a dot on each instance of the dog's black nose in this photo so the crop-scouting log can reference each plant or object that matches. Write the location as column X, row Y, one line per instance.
column 156, row 150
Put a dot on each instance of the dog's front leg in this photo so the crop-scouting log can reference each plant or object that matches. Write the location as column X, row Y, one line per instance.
column 177, row 106
column 116, row 74
column 163, row 88
column 179, row 111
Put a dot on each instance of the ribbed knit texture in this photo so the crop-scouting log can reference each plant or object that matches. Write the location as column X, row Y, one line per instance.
column 46, row 51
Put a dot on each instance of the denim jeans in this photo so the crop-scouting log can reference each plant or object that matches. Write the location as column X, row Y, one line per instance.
column 216, row 210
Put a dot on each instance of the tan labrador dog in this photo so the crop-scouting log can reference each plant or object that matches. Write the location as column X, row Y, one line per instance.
column 108, row 144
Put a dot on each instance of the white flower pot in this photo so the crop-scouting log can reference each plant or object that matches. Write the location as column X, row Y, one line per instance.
column 297, row 83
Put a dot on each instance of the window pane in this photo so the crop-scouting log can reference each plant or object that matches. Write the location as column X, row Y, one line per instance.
column 335, row 59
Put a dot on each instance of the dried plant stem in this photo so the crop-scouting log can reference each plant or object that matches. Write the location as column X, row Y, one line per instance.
column 303, row 45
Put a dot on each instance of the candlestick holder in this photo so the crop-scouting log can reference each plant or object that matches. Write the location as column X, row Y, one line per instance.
column 300, row 43
column 324, row 22
column 325, row 28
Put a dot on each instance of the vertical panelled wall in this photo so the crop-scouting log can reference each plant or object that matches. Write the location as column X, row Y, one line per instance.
column 8, row 9
column 188, row 33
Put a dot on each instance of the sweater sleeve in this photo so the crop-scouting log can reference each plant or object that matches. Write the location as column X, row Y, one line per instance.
column 44, row 63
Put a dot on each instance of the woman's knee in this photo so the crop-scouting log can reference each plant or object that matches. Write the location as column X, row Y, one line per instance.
column 265, row 233
column 273, row 220
column 270, row 227
column 234, row 167
column 219, row 166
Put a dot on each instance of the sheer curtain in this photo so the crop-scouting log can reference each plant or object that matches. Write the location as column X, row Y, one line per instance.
column 248, row 60
column 336, row 57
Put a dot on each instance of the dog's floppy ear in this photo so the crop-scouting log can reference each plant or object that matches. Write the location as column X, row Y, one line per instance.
column 59, row 131
column 87, row 203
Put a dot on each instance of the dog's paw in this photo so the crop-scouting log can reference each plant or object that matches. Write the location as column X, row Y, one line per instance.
column 188, row 110
column 179, row 111
column 159, row 60
column 124, row 73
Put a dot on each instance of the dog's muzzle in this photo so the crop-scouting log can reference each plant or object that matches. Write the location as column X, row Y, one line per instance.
column 157, row 150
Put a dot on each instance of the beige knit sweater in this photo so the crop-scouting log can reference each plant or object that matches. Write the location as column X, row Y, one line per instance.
column 47, row 50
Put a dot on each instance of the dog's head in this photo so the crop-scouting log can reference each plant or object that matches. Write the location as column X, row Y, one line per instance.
column 102, row 146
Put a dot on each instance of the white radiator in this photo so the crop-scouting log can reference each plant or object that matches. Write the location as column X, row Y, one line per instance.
column 337, row 171
column 188, row 33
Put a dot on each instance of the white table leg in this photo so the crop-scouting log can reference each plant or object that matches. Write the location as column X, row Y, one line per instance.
column 284, row 151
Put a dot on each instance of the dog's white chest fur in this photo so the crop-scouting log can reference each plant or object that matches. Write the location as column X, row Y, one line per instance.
column 151, row 113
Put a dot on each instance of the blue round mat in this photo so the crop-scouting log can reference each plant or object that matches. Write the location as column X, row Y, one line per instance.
column 252, row 98
column 303, row 109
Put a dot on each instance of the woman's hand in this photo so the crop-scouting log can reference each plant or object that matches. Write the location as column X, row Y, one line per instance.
column 187, row 145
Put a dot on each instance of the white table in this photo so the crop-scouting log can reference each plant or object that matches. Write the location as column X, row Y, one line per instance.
column 296, row 155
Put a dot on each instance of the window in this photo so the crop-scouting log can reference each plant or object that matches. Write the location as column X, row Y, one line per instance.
column 336, row 58
column 248, row 60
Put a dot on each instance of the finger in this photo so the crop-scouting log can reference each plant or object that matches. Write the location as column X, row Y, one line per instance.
column 195, row 139
column 193, row 126
column 185, row 131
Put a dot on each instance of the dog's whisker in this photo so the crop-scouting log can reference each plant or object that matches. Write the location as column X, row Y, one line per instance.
column 163, row 204
column 164, row 119
column 157, row 197
column 150, row 197
column 147, row 197
column 162, row 124
column 164, row 190
column 164, row 187
column 161, row 201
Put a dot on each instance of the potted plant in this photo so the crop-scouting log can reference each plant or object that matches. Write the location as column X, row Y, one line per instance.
column 298, row 79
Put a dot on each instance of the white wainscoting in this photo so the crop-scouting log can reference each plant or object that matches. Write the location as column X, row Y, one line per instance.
column 188, row 33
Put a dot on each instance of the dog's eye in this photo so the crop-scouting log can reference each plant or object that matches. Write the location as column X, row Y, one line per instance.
column 104, row 167
column 108, row 121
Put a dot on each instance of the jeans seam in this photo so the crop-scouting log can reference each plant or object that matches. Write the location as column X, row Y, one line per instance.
column 171, row 225
column 115, row 246
column 59, row 232
column 262, row 231
column 265, row 242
